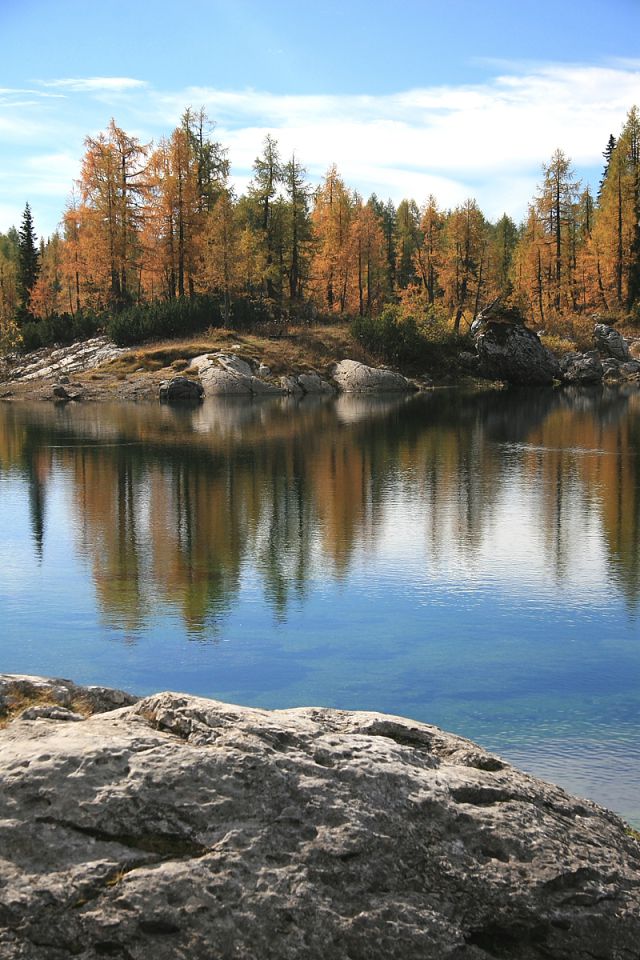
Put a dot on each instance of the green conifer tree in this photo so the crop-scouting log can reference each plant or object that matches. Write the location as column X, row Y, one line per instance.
column 28, row 262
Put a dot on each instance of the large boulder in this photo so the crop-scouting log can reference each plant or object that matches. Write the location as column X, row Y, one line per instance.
column 229, row 375
column 183, row 827
column 508, row 350
column 610, row 343
column 353, row 377
column 181, row 390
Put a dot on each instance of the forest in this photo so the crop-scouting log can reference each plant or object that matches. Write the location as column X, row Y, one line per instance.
column 154, row 241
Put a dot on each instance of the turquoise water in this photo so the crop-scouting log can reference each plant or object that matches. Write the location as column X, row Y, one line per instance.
column 468, row 561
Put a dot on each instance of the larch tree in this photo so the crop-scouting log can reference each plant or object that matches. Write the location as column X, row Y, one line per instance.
column 369, row 260
column 616, row 231
column 427, row 256
column 111, row 188
column 331, row 265
column 463, row 272
column 556, row 208
column 221, row 256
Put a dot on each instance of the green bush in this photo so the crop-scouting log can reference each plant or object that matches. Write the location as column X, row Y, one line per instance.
column 163, row 318
column 62, row 328
column 427, row 344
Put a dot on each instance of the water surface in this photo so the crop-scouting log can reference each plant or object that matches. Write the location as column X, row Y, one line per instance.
column 469, row 561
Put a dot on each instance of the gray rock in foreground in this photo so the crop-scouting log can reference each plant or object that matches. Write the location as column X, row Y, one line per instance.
column 178, row 827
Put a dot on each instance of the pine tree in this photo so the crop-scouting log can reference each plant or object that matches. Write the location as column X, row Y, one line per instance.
column 607, row 153
column 28, row 262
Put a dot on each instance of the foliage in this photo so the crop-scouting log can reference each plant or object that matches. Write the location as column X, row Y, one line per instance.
column 185, row 315
column 170, row 318
column 157, row 233
column 10, row 336
column 399, row 338
column 28, row 261
column 60, row 328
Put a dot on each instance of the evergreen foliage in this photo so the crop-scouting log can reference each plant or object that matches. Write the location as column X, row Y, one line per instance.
column 28, row 261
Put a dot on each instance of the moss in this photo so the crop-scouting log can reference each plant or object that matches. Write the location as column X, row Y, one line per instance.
column 634, row 834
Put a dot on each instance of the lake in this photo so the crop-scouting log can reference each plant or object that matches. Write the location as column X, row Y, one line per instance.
column 468, row 560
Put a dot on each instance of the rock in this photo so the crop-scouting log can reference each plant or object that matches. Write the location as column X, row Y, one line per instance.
column 581, row 367
column 58, row 362
column 223, row 375
column 470, row 362
column 312, row 383
column 181, row 390
column 615, row 372
column 60, row 392
column 630, row 370
column 18, row 690
column 610, row 343
column 353, row 377
column 179, row 827
column 291, row 386
column 234, row 364
column 263, row 387
column 509, row 350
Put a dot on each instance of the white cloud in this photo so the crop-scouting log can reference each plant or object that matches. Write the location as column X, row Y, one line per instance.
column 96, row 84
column 486, row 140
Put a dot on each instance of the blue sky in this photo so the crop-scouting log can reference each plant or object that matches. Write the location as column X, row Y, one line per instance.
column 459, row 98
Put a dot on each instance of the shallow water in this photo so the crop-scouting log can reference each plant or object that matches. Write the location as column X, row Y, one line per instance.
column 469, row 561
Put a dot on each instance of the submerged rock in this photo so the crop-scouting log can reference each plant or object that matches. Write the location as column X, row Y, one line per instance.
column 353, row 377
column 182, row 827
column 509, row 350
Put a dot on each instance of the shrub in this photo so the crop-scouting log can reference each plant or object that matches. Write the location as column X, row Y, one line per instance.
column 164, row 318
column 398, row 338
column 59, row 328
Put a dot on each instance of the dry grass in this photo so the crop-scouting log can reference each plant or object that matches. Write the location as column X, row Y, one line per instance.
column 16, row 701
column 300, row 348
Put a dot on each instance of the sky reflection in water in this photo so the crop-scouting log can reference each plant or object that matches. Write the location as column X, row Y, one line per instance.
column 469, row 561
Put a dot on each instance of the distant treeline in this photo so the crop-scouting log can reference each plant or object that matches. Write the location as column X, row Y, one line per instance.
column 154, row 242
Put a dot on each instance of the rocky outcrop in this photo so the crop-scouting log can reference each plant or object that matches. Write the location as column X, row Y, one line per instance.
column 181, row 827
column 508, row 350
column 353, row 377
column 616, row 372
column 181, row 390
column 56, row 362
column 581, row 367
column 610, row 343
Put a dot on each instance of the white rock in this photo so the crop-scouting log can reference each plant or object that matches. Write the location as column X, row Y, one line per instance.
column 354, row 377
